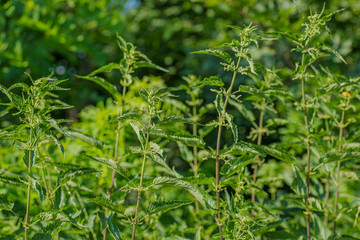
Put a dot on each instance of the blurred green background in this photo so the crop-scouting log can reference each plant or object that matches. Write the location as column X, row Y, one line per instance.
column 71, row 37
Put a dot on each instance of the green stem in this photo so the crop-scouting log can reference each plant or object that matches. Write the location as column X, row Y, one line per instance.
column 221, row 119
column 338, row 168
column 119, row 136
column 29, row 185
column 141, row 179
column 327, row 183
column 308, row 150
column 256, row 165
column 195, row 150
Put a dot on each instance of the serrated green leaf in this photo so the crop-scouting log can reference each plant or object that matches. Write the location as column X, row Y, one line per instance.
column 244, row 147
column 327, row 48
column 139, row 132
column 211, row 81
column 216, row 52
column 107, row 68
column 55, row 216
column 109, row 204
column 73, row 173
column 114, row 230
column 219, row 102
column 146, row 64
column 87, row 139
column 339, row 156
column 203, row 198
column 29, row 157
column 188, row 139
column 233, row 127
column 173, row 118
column 234, row 164
column 128, row 115
column 105, row 84
column 334, row 88
column 278, row 154
column 11, row 180
column 55, row 124
column 111, row 164
column 56, row 140
column 164, row 206
column 185, row 152
column 5, row 203
column 247, row 114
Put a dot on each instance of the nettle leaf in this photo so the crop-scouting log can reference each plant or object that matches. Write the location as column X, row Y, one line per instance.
column 147, row 64
column 59, row 199
column 203, row 198
column 105, row 84
column 29, row 157
column 87, row 139
column 298, row 185
column 185, row 152
column 244, row 147
column 327, row 48
column 246, row 113
column 109, row 204
column 125, row 116
column 233, row 165
column 111, row 164
column 73, row 173
column 334, row 87
column 277, row 92
column 278, row 154
column 55, row 124
column 339, row 156
column 5, row 203
column 114, row 229
column 42, row 236
column 56, row 140
column 219, row 102
column 289, row 35
column 173, row 118
column 55, row 216
column 253, row 91
column 216, row 52
column 188, row 139
column 107, row 68
column 201, row 179
column 164, row 206
column 156, row 154
column 250, row 61
column 11, row 180
column 211, row 81
column 139, row 132
column 233, row 127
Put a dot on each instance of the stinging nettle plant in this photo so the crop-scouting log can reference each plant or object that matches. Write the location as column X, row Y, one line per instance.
column 132, row 60
column 248, row 152
column 34, row 104
column 311, row 48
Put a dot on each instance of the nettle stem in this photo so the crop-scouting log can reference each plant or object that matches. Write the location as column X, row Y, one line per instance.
column 308, row 151
column 119, row 138
column 195, row 150
column 29, row 183
column 327, row 183
column 256, row 165
column 141, row 179
column 341, row 125
column 217, row 166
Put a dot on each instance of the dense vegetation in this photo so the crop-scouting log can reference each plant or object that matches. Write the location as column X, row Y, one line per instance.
column 248, row 131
